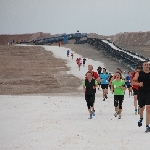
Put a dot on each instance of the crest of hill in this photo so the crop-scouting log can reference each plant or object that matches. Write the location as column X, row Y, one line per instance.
column 131, row 38
column 5, row 38
column 120, row 39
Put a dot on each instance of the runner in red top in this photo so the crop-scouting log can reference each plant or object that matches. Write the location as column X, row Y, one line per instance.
column 72, row 54
column 135, row 89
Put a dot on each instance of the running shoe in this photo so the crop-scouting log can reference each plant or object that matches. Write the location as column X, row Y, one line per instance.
column 140, row 123
column 147, row 129
column 106, row 96
column 93, row 113
column 116, row 114
column 135, row 111
column 90, row 116
column 104, row 99
column 119, row 117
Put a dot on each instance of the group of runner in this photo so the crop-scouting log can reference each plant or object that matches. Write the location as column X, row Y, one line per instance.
column 138, row 82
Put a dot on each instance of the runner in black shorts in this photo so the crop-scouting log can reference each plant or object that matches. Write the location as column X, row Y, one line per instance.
column 104, row 83
column 99, row 69
column 143, row 78
column 135, row 91
column 89, row 87
column 128, row 83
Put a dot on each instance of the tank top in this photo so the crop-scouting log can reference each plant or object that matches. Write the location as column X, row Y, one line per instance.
column 89, row 87
column 145, row 78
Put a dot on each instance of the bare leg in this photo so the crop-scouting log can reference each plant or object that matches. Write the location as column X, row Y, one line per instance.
column 120, row 111
column 141, row 111
column 135, row 101
column 147, row 114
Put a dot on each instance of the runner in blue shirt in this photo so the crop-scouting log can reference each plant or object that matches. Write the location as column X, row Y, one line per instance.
column 104, row 83
column 128, row 83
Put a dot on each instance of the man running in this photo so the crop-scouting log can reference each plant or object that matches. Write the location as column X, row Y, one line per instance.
column 104, row 83
column 143, row 78
column 118, row 88
column 135, row 90
column 99, row 70
column 128, row 83
column 68, row 53
column 84, row 62
column 89, row 87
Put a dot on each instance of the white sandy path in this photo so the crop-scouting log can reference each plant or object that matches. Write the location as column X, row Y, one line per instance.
column 62, row 53
column 60, row 123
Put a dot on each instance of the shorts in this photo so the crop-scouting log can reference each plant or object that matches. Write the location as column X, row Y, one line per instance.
column 143, row 98
column 128, row 86
column 118, row 99
column 135, row 91
column 104, row 86
column 90, row 99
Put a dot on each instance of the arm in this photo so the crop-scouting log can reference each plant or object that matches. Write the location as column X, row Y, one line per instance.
column 96, row 84
column 84, row 87
column 98, row 80
column 111, row 80
column 112, row 89
column 123, row 87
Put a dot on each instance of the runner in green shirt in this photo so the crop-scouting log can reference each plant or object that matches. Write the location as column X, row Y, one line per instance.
column 118, row 88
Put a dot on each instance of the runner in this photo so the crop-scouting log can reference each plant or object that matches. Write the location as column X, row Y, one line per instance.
column 84, row 62
column 104, row 83
column 143, row 78
column 89, row 87
column 72, row 54
column 109, row 80
column 135, row 90
column 128, row 82
column 68, row 53
column 59, row 43
column 99, row 69
column 79, row 63
column 118, row 88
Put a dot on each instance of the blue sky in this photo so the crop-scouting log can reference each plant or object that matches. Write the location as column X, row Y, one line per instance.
column 104, row 17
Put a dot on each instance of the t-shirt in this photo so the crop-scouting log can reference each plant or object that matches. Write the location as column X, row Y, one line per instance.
column 117, row 89
column 128, row 78
column 104, row 78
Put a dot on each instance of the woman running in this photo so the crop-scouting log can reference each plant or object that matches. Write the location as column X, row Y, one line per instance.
column 89, row 87
column 118, row 88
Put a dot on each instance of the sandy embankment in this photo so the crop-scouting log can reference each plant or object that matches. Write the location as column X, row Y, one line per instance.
column 33, row 70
